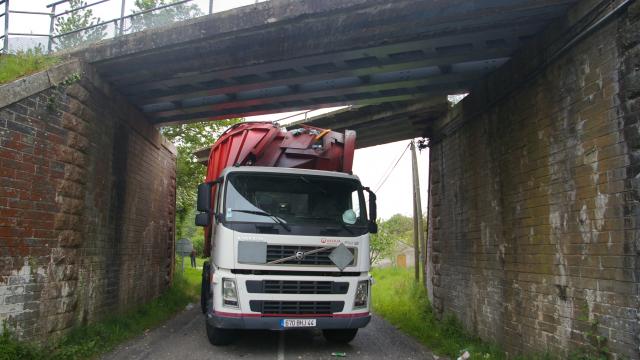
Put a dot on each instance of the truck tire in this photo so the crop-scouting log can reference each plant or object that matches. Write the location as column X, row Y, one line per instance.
column 204, row 288
column 339, row 335
column 220, row 337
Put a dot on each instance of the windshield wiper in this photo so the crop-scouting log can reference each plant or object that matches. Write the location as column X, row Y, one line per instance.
column 264, row 213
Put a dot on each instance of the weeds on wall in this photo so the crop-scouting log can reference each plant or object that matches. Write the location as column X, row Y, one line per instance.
column 61, row 87
column 596, row 347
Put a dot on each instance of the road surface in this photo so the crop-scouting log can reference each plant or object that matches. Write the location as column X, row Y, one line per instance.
column 184, row 338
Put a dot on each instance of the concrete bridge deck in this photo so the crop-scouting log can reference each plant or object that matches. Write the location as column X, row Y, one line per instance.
column 289, row 55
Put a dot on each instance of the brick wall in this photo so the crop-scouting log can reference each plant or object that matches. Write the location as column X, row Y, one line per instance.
column 534, row 196
column 87, row 193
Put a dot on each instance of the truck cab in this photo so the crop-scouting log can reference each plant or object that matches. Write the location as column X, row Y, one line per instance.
column 290, row 249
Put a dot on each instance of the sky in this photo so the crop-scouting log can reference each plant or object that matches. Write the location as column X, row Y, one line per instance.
column 370, row 164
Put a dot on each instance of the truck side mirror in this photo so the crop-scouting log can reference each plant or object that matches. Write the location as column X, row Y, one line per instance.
column 203, row 219
column 204, row 202
column 204, row 197
column 373, row 227
column 373, row 212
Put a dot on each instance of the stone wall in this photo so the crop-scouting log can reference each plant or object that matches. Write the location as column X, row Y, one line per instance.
column 87, row 191
column 534, row 194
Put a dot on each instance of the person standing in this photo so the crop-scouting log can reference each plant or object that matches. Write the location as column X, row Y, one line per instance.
column 193, row 258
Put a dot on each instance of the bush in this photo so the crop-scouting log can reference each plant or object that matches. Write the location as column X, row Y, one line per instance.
column 198, row 242
column 10, row 348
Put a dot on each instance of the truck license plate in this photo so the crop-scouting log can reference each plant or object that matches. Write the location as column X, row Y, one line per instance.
column 287, row 323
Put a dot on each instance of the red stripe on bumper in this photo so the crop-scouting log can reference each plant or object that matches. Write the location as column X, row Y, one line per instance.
column 356, row 315
column 241, row 315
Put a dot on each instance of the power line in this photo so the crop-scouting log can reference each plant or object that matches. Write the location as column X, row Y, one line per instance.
column 392, row 168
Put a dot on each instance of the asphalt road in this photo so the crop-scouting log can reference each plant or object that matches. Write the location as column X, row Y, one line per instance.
column 184, row 338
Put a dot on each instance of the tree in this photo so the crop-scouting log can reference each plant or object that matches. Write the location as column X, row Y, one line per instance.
column 381, row 244
column 197, row 238
column 189, row 173
column 77, row 20
column 401, row 227
column 396, row 228
column 161, row 17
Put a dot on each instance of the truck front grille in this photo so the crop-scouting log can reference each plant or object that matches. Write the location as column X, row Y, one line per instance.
column 296, row 287
column 321, row 258
column 296, row 307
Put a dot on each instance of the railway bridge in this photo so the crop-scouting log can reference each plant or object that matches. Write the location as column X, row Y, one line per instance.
column 534, row 196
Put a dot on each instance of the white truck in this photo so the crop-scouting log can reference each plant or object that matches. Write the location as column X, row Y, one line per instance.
column 287, row 231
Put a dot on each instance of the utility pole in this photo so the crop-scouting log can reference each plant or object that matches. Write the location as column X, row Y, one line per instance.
column 417, row 211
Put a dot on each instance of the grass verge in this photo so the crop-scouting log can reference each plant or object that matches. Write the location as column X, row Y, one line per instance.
column 89, row 341
column 23, row 63
column 402, row 302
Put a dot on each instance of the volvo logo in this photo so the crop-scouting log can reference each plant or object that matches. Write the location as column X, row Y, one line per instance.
column 300, row 255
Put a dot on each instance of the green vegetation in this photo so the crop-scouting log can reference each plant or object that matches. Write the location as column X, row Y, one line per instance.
column 189, row 173
column 92, row 340
column 403, row 302
column 398, row 228
column 198, row 242
column 161, row 17
column 597, row 348
column 81, row 18
column 23, row 63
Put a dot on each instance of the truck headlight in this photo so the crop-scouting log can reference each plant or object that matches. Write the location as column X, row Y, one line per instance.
column 362, row 294
column 229, row 293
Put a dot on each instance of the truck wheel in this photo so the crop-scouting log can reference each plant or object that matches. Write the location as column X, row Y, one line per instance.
column 340, row 335
column 219, row 337
column 204, row 288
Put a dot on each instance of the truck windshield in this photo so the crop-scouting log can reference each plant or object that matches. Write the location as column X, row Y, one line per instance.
column 294, row 200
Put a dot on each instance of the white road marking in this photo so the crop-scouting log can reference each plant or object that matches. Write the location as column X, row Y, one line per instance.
column 281, row 346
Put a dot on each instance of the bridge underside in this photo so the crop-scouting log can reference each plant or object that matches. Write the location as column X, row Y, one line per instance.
column 281, row 56
column 383, row 123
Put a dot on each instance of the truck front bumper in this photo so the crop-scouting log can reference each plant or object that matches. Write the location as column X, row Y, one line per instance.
column 249, row 314
column 251, row 321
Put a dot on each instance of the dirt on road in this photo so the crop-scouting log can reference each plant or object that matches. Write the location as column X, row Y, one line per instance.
column 184, row 338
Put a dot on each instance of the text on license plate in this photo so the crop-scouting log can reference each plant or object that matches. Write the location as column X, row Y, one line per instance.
column 297, row 323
